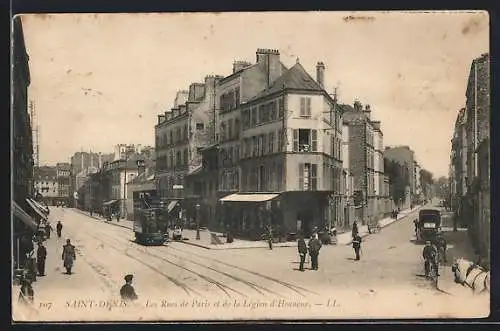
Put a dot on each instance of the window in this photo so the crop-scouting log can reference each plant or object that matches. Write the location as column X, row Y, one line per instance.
column 248, row 149
column 259, row 145
column 280, row 144
column 260, row 117
column 246, row 119
column 230, row 129
column 237, row 128
column 308, row 176
column 271, row 142
column 255, row 146
column 200, row 126
column 264, row 144
column 281, row 108
column 230, row 155
column 186, row 158
column 186, row 132
column 314, row 140
column 179, row 158
column 255, row 115
column 305, row 106
column 236, row 157
column 305, row 140
column 273, row 111
column 237, row 97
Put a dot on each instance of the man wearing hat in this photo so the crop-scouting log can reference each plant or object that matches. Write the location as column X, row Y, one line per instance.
column 41, row 255
column 68, row 256
column 127, row 291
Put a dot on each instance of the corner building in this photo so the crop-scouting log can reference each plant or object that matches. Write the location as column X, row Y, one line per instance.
column 291, row 156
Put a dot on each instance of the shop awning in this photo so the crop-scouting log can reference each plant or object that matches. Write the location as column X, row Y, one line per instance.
column 23, row 216
column 110, row 202
column 34, row 206
column 171, row 205
column 249, row 197
column 41, row 207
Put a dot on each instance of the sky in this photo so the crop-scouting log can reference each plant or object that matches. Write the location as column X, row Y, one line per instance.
column 101, row 79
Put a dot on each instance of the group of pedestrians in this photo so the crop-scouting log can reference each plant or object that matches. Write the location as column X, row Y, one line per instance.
column 314, row 246
column 32, row 270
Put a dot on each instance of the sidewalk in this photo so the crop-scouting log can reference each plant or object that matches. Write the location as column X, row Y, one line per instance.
column 459, row 245
column 124, row 223
column 346, row 238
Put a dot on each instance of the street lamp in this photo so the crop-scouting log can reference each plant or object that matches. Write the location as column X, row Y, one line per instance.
column 197, row 221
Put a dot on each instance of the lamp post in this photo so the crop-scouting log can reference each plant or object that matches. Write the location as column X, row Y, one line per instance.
column 197, row 221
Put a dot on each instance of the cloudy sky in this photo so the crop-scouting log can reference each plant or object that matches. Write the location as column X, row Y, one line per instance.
column 99, row 80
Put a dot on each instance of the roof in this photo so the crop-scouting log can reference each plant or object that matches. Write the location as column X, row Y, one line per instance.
column 294, row 78
column 45, row 171
column 63, row 166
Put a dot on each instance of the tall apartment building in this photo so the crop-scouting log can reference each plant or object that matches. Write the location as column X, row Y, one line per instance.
column 458, row 165
column 478, row 155
column 180, row 135
column 291, row 155
column 365, row 141
column 64, row 182
column 233, row 91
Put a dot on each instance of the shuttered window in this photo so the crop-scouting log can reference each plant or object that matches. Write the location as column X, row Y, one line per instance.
column 314, row 177
column 314, row 140
column 301, row 176
column 305, row 106
column 271, row 142
column 295, row 140
column 265, row 147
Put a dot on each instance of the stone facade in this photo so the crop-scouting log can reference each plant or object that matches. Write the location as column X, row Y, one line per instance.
column 405, row 156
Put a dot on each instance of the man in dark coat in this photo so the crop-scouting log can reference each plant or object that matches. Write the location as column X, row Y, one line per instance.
column 302, row 251
column 41, row 255
column 127, row 291
column 59, row 227
column 354, row 228
column 429, row 254
column 68, row 256
column 314, row 247
column 356, row 244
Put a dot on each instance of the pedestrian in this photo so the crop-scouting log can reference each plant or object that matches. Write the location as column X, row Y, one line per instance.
column 26, row 294
column 118, row 217
column 355, row 228
column 441, row 246
column 41, row 255
column 415, row 223
column 429, row 254
column 48, row 229
column 301, row 243
column 270, row 237
column 59, row 227
column 314, row 247
column 68, row 256
column 127, row 291
column 356, row 244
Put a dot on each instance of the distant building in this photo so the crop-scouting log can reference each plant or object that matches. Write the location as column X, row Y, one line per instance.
column 144, row 181
column 366, row 162
column 46, row 184
column 458, row 167
column 405, row 156
column 180, row 135
column 64, row 182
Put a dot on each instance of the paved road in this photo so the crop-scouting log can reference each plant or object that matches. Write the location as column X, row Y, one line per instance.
column 254, row 279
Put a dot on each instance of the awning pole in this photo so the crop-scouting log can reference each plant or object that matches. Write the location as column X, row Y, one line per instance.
column 17, row 252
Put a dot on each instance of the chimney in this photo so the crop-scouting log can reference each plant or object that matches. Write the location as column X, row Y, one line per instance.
column 270, row 58
column 141, row 167
column 320, row 74
column 239, row 65
column 358, row 106
column 367, row 111
column 196, row 91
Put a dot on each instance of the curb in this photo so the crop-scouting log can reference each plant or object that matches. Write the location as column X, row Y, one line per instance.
column 100, row 219
column 187, row 242
column 388, row 224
